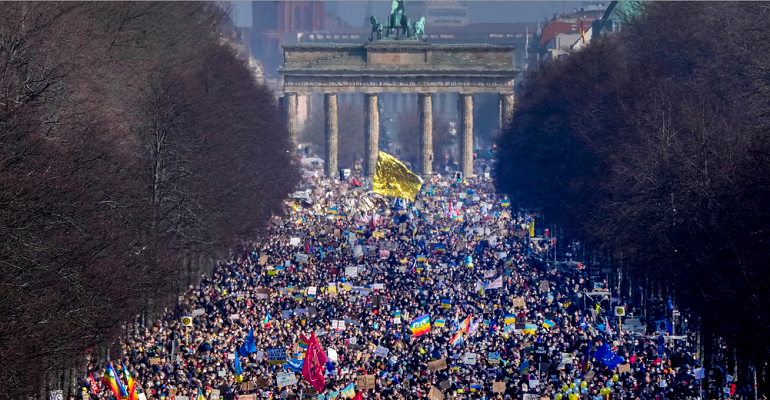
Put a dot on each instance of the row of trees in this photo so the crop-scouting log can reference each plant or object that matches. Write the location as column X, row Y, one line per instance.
column 653, row 145
column 133, row 142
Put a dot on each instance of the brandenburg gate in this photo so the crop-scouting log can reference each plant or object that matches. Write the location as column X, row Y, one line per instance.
column 404, row 64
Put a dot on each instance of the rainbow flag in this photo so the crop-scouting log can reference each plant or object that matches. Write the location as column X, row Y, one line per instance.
column 466, row 325
column 421, row 325
column 456, row 339
column 303, row 341
column 266, row 322
column 130, row 384
column 112, row 381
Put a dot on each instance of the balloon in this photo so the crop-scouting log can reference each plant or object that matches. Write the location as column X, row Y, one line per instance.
column 583, row 384
column 609, row 384
column 584, row 390
column 571, row 385
column 558, row 396
column 564, row 388
column 615, row 378
column 573, row 396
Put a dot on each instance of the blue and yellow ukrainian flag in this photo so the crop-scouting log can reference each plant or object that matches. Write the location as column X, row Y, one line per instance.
column 237, row 368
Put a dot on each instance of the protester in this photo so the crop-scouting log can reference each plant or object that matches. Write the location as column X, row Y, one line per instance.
column 457, row 254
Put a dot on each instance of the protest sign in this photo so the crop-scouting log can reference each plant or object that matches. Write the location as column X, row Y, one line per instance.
column 624, row 368
column 285, row 379
column 519, row 302
column 198, row 312
column 263, row 259
column 437, row 365
column 276, row 355
column 332, row 354
column 445, row 385
column 263, row 293
column 589, row 375
column 435, row 394
column 381, row 351
column 247, row 386
column 154, row 360
column 365, row 382
column 351, row 271
column 469, row 358
column 214, row 394
column 498, row 387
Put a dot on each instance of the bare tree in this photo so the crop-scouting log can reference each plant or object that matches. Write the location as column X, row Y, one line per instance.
column 652, row 144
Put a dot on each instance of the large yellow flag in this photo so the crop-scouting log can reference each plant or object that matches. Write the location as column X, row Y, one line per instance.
column 532, row 228
column 394, row 179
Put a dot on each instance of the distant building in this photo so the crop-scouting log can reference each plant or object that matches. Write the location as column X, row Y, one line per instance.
column 617, row 13
column 559, row 38
column 440, row 13
column 276, row 23
column 565, row 33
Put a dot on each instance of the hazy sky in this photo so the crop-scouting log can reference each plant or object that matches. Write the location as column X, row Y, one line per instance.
column 480, row 11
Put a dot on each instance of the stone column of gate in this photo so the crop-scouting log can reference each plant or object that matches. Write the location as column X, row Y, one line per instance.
column 292, row 124
column 506, row 110
column 330, row 154
column 425, row 101
column 371, row 133
column 465, row 107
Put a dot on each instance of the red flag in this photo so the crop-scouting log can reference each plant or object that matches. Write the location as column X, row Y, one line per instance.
column 313, row 367
column 94, row 385
column 359, row 396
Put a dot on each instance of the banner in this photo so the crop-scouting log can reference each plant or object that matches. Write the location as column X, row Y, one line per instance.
column 276, row 355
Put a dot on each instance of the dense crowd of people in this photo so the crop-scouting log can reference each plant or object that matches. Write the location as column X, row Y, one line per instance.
column 356, row 269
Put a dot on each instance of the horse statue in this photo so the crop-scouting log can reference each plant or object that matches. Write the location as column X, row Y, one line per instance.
column 419, row 28
column 376, row 28
column 405, row 25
